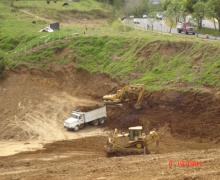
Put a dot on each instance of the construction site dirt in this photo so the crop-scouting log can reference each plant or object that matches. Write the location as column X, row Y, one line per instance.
column 34, row 144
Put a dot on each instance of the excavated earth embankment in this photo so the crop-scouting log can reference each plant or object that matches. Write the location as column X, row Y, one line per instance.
column 187, row 113
column 34, row 104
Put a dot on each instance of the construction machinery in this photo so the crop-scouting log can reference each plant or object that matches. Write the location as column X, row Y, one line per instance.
column 133, row 142
column 124, row 94
column 79, row 119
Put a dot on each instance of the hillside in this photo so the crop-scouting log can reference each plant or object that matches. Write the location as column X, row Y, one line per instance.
column 65, row 11
column 50, row 75
column 156, row 60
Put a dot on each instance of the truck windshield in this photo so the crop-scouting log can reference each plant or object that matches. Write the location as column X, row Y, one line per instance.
column 75, row 116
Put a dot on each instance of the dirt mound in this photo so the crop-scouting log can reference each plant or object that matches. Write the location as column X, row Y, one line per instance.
column 34, row 103
column 87, row 108
column 189, row 114
column 164, row 48
column 83, row 144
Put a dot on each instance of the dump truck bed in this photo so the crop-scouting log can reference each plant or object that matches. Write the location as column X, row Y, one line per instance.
column 95, row 114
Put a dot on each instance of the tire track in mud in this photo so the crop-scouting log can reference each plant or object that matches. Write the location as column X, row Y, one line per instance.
column 44, row 121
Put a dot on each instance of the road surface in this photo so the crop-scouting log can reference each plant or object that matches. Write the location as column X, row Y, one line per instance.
column 160, row 26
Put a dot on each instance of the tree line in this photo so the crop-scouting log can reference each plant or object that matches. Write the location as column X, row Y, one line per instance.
column 199, row 9
column 175, row 10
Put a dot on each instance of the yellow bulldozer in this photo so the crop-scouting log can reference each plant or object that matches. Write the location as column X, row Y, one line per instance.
column 122, row 95
column 133, row 142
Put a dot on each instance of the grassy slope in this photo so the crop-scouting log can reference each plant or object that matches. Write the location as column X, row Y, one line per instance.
column 85, row 5
column 209, row 31
column 82, row 9
column 154, row 59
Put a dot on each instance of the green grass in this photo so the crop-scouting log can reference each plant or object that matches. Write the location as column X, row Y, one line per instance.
column 209, row 31
column 119, row 57
column 83, row 9
column 154, row 59
column 83, row 5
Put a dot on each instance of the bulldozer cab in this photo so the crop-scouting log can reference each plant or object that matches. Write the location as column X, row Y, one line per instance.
column 135, row 133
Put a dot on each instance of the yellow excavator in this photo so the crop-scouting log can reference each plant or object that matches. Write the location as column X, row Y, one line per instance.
column 133, row 142
column 122, row 95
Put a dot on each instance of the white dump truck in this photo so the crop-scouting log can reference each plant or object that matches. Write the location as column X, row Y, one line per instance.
column 78, row 118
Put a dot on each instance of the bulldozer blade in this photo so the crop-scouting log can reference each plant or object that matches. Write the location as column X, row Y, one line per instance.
column 124, row 152
column 113, row 105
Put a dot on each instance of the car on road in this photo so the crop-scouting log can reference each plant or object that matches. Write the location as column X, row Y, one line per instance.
column 159, row 15
column 186, row 28
column 144, row 16
column 136, row 21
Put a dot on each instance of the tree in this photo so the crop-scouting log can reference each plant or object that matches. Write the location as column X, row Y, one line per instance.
column 2, row 66
column 137, row 7
column 199, row 12
column 189, row 5
column 210, row 14
column 214, row 9
column 175, row 8
column 12, row 3
column 170, row 18
column 171, row 7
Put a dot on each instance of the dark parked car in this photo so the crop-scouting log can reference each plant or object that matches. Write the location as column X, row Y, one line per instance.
column 186, row 28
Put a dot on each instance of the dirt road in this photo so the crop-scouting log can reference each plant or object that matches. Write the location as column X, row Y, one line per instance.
column 34, row 106
column 11, row 147
column 85, row 159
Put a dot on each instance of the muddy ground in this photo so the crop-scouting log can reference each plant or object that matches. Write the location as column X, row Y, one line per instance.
column 34, row 104
column 84, row 159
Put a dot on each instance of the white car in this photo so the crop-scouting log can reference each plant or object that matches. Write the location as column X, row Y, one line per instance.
column 159, row 16
column 144, row 16
column 136, row 21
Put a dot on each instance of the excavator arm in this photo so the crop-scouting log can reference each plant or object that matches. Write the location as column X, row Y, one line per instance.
column 140, row 98
column 120, row 96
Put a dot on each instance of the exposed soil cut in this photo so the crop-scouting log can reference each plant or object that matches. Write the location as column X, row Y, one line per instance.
column 34, row 98
column 35, row 103
column 188, row 114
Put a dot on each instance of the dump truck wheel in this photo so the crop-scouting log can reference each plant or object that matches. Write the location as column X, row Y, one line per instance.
column 96, row 123
column 102, row 121
column 76, row 128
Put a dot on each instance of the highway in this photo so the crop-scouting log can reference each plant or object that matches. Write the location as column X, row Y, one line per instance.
column 160, row 26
